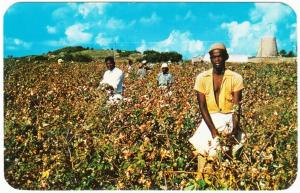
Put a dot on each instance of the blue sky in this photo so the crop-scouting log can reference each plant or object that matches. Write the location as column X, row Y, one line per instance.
column 188, row 28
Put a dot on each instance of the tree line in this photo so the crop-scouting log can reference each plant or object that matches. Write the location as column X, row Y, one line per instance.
column 284, row 53
column 154, row 56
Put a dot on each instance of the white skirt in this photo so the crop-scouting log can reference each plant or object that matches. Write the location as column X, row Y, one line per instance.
column 202, row 139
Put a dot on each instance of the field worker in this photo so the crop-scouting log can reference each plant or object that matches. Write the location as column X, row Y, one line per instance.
column 130, row 65
column 219, row 94
column 164, row 78
column 60, row 61
column 129, row 68
column 113, row 79
column 142, row 71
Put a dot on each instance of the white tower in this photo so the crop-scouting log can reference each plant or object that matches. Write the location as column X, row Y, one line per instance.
column 267, row 47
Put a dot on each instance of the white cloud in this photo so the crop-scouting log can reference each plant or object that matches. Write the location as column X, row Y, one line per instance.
column 17, row 44
column 269, row 12
column 188, row 16
column 215, row 17
column 75, row 33
column 113, row 23
column 242, row 36
column 72, row 5
column 102, row 40
column 51, row 29
column 293, row 35
column 131, row 23
column 150, row 20
column 177, row 41
column 87, row 8
column 60, row 13
column 72, row 10
column 57, row 43
column 142, row 47
column 264, row 18
column 21, row 43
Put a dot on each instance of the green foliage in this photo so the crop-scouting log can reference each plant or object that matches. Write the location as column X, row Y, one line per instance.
column 39, row 58
column 68, row 57
column 283, row 53
column 126, row 53
column 69, row 49
column 77, row 57
column 291, row 54
column 82, row 58
column 154, row 56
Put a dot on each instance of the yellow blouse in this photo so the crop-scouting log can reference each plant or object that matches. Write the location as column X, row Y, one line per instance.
column 232, row 82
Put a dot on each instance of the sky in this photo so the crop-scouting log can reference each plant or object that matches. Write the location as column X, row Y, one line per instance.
column 187, row 28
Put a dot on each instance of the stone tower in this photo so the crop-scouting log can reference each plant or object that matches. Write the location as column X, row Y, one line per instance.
column 267, row 47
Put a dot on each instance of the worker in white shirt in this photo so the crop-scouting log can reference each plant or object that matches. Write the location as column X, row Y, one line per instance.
column 113, row 79
column 164, row 78
column 142, row 71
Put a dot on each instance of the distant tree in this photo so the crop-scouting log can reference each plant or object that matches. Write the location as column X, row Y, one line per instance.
column 125, row 53
column 148, row 52
column 290, row 54
column 69, row 49
column 174, row 56
column 82, row 58
column 154, row 56
column 40, row 58
column 68, row 57
column 282, row 53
